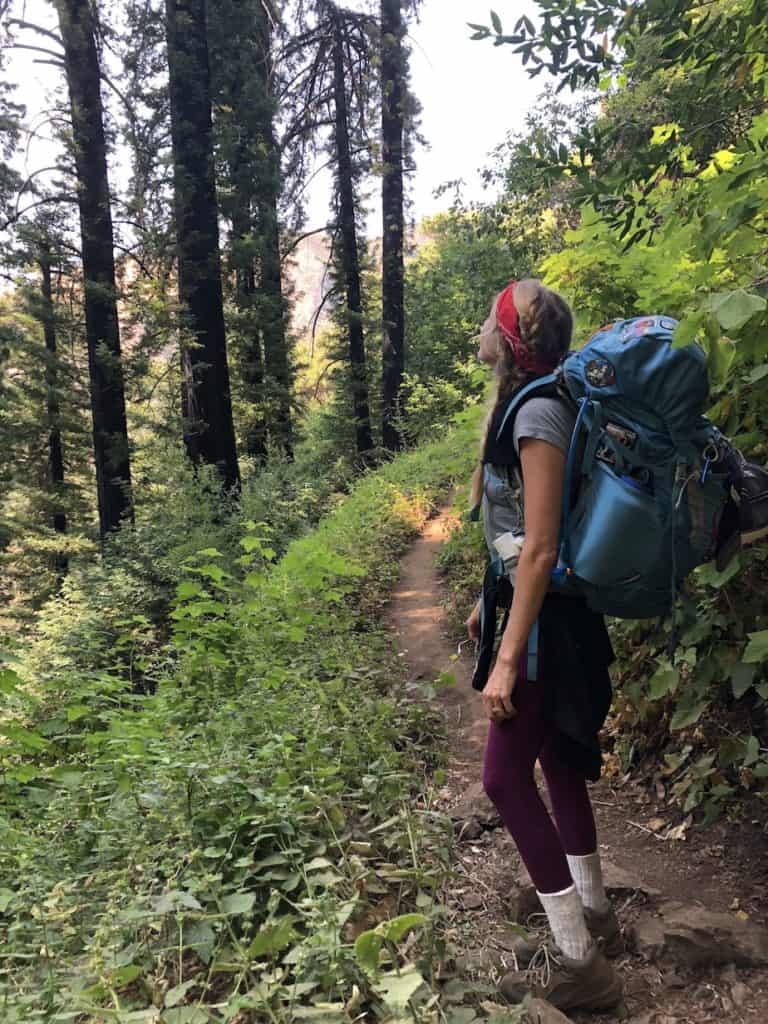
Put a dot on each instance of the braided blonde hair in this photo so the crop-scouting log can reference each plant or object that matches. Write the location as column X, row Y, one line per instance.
column 545, row 323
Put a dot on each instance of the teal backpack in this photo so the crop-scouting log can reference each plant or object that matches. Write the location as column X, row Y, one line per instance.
column 646, row 477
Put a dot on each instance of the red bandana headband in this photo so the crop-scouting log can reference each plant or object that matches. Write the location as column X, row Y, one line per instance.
column 508, row 322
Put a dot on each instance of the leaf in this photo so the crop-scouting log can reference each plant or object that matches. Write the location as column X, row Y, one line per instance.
column 77, row 711
column 367, row 950
column 200, row 937
column 735, row 309
column 684, row 717
column 687, row 330
column 663, row 681
column 742, row 677
column 237, row 903
column 68, row 777
column 680, row 832
column 496, row 22
column 9, row 680
column 710, row 577
column 6, row 896
column 175, row 995
column 663, row 133
column 751, row 750
column 188, row 589
column 461, row 1015
column 272, row 938
column 185, row 1015
column 757, row 648
column 176, row 900
column 126, row 975
column 397, row 989
column 720, row 357
column 319, row 864
column 24, row 737
column 398, row 927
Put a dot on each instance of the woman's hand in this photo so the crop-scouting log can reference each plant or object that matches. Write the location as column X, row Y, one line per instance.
column 473, row 624
column 497, row 695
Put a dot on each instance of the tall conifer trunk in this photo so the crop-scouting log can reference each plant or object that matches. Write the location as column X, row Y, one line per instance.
column 350, row 259
column 274, row 333
column 209, row 430
column 245, row 296
column 110, row 431
column 55, row 453
column 393, row 270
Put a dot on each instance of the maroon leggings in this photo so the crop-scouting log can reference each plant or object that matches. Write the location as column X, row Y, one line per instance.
column 511, row 753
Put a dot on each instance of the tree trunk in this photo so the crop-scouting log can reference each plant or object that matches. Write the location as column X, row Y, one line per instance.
column 272, row 302
column 393, row 269
column 55, row 453
column 350, row 260
column 245, row 286
column 209, row 430
column 110, row 431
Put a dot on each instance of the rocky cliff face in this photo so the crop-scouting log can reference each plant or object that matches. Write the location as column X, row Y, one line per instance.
column 308, row 277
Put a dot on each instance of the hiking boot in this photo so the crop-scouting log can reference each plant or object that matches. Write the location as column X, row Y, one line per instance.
column 604, row 929
column 588, row 984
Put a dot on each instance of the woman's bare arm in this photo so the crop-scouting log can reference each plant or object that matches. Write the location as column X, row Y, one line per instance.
column 543, row 466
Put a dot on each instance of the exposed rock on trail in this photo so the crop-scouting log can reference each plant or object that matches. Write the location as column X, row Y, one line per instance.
column 692, row 960
column 693, row 936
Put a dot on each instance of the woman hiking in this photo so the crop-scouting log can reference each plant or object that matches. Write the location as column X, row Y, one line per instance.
column 548, row 690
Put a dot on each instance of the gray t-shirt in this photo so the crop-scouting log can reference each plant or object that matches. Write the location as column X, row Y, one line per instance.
column 545, row 419
column 542, row 419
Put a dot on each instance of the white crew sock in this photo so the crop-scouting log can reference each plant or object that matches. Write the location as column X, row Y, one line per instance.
column 565, row 913
column 587, row 875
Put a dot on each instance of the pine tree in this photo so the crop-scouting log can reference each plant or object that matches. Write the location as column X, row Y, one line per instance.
column 393, row 89
column 341, row 40
column 243, row 81
column 210, row 434
column 110, row 432
column 333, row 93
column 55, row 453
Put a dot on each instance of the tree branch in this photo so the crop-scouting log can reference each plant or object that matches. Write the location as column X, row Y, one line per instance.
column 296, row 242
column 58, row 58
column 37, row 28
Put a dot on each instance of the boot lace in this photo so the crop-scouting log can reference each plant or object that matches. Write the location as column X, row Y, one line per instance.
column 540, row 969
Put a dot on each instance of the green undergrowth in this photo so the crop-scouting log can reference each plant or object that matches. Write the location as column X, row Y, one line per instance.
column 693, row 725
column 252, row 840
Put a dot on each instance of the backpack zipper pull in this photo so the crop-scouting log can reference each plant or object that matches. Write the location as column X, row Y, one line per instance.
column 711, row 455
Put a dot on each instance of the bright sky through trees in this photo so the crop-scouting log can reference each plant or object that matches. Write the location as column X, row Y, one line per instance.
column 471, row 95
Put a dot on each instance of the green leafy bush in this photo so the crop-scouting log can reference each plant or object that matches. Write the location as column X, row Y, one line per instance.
column 224, row 840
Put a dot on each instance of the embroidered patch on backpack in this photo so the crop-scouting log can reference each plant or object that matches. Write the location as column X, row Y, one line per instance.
column 641, row 326
column 600, row 373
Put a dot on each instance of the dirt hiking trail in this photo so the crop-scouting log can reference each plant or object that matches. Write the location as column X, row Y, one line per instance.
column 693, row 909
